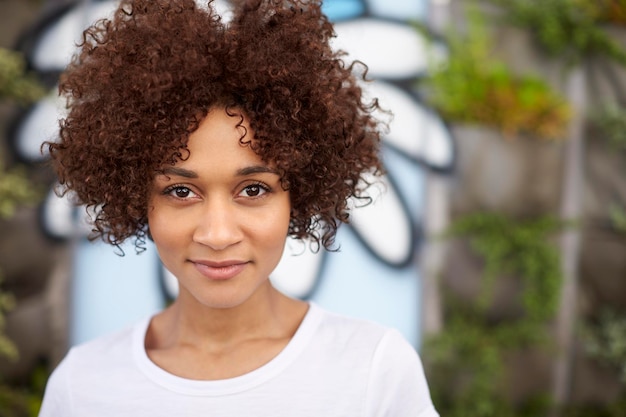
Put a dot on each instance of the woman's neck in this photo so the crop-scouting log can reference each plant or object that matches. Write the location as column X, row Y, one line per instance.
column 262, row 314
column 239, row 339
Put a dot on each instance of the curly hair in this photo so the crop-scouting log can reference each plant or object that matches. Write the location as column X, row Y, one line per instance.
column 142, row 81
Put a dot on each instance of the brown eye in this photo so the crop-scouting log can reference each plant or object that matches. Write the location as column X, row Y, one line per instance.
column 179, row 192
column 182, row 192
column 254, row 190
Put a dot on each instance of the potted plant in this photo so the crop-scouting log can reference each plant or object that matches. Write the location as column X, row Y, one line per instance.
column 508, row 126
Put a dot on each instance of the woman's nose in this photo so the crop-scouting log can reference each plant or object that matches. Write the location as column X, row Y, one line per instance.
column 218, row 226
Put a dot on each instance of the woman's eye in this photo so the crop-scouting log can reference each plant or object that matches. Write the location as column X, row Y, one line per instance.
column 180, row 192
column 254, row 190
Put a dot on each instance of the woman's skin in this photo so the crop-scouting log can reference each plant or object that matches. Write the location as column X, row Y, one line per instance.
column 219, row 220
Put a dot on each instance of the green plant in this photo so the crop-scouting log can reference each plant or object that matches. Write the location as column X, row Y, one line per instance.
column 611, row 11
column 15, row 84
column 19, row 87
column 24, row 401
column 473, row 87
column 466, row 366
column 15, row 190
column 521, row 247
column 7, row 347
column 605, row 340
column 568, row 29
column 466, row 359
column 617, row 216
column 610, row 120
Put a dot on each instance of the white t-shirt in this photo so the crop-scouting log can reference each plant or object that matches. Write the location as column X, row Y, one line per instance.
column 333, row 366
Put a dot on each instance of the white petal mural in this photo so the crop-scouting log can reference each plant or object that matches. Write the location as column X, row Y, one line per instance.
column 58, row 42
column 39, row 124
column 389, row 49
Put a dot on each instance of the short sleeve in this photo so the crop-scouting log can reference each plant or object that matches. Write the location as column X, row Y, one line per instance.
column 397, row 385
column 57, row 400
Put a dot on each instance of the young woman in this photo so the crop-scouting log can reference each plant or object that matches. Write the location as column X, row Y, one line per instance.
column 217, row 140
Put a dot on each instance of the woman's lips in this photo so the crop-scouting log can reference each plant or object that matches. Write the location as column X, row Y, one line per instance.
column 219, row 271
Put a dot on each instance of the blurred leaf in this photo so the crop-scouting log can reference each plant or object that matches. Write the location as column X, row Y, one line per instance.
column 14, row 83
column 8, row 349
column 15, row 190
column 611, row 121
column 605, row 340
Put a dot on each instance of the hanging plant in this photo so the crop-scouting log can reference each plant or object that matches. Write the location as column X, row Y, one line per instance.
column 471, row 87
column 605, row 340
column 466, row 359
column 611, row 123
column 520, row 247
column 610, row 11
column 566, row 29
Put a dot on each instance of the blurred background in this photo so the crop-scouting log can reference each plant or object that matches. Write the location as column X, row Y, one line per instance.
column 497, row 241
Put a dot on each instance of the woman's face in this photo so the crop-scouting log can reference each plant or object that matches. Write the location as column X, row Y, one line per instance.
column 220, row 218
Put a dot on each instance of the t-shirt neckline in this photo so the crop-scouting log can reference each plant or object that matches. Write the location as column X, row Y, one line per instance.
column 231, row 385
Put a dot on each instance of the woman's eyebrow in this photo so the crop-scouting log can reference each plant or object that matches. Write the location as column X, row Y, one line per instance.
column 242, row 172
column 179, row 172
column 255, row 169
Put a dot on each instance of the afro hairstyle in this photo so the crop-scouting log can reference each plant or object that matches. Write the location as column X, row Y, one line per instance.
column 142, row 81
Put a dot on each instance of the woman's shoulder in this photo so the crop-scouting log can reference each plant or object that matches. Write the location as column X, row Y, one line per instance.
column 90, row 367
column 338, row 321
column 362, row 353
column 105, row 350
column 339, row 327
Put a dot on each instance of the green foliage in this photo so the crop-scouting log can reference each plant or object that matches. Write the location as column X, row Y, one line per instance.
column 472, row 87
column 15, row 86
column 605, row 340
column 567, row 29
column 15, row 190
column 466, row 359
column 24, row 401
column 519, row 247
column 611, row 123
column 617, row 216
column 466, row 371
column 610, row 11
column 14, row 83
column 7, row 347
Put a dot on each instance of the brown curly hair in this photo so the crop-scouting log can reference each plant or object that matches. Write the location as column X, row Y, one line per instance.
column 142, row 81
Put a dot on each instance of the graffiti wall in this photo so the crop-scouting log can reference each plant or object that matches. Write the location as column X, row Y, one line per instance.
column 375, row 273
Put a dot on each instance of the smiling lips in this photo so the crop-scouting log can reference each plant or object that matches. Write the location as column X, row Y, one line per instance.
column 219, row 271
